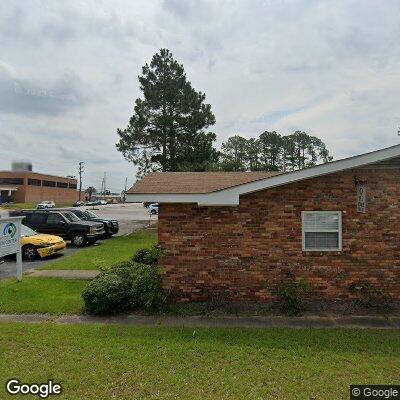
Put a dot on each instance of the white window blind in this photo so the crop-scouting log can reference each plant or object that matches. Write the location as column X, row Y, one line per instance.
column 322, row 230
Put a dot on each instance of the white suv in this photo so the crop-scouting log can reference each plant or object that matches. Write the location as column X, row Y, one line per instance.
column 46, row 204
column 153, row 208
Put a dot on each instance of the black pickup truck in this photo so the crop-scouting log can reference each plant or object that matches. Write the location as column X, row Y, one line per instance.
column 111, row 226
column 64, row 224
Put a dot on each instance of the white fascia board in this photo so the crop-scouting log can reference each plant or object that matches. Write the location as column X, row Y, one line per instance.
column 230, row 196
column 202, row 199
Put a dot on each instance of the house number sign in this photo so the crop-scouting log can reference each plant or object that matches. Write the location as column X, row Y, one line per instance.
column 361, row 198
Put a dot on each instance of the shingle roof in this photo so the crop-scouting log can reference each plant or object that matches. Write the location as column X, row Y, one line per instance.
column 194, row 182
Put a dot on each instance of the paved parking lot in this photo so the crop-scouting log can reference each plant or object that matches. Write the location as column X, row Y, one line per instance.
column 131, row 217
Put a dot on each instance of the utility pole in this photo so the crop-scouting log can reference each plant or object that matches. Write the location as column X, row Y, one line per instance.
column 80, row 178
column 104, row 193
column 126, row 183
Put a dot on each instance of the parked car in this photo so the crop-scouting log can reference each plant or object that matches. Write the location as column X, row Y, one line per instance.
column 37, row 245
column 153, row 208
column 63, row 223
column 111, row 226
column 45, row 204
column 89, row 203
column 79, row 204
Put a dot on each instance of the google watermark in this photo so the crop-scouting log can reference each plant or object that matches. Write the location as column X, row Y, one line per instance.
column 42, row 390
column 374, row 392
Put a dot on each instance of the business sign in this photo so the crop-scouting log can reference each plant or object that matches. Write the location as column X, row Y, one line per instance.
column 10, row 234
column 361, row 198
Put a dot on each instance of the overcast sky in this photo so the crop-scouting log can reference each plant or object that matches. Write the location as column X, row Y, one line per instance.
column 68, row 73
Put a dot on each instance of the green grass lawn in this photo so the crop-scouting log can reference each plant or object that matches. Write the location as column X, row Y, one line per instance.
column 42, row 295
column 107, row 362
column 107, row 252
column 63, row 296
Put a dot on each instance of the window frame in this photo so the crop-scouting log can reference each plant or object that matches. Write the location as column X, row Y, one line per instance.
column 338, row 231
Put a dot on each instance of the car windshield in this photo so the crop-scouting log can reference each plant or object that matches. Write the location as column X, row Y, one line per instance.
column 80, row 214
column 71, row 217
column 25, row 231
column 91, row 214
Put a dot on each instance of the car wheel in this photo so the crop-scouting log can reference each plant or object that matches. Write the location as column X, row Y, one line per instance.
column 29, row 253
column 154, row 212
column 79, row 239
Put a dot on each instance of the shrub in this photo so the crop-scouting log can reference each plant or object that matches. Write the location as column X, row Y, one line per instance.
column 123, row 269
column 148, row 256
column 369, row 296
column 291, row 294
column 122, row 287
column 107, row 294
column 146, row 286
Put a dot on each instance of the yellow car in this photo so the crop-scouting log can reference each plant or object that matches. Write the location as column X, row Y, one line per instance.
column 36, row 245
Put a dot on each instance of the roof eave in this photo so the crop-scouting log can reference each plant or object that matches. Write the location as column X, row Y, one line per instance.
column 230, row 196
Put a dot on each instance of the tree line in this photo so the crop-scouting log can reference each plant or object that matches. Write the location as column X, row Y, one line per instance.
column 272, row 152
column 169, row 131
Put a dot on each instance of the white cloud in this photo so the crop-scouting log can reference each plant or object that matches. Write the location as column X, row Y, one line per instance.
column 330, row 68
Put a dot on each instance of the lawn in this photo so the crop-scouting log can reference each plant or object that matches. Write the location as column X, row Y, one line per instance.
column 63, row 296
column 107, row 252
column 122, row 362
column 42, row 295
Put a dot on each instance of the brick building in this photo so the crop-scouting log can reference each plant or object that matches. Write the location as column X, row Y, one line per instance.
column 239, row 234
column 30, row 187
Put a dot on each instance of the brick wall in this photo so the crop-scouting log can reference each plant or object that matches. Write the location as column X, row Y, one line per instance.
column 30, row 193
column 242, row 253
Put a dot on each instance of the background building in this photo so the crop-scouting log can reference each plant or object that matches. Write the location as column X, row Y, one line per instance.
column 30, row 187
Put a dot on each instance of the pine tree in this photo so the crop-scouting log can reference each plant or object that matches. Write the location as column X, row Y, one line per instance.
column 167, row 129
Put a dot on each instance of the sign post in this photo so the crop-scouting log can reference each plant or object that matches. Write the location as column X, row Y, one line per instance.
column 10, row 240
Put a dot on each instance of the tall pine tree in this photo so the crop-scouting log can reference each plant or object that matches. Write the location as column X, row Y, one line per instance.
column 167, row 129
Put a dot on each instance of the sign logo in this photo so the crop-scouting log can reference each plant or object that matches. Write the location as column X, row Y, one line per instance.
column 10, row 230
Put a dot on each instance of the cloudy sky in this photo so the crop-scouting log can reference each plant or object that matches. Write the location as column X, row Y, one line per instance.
column 68, row 73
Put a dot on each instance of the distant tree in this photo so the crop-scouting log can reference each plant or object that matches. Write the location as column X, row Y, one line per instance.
column 271, row 149
column 303, row 150
column 253, row 151
column 90, row 191
column 234, row 154
column 272, row 152
column 167, row 129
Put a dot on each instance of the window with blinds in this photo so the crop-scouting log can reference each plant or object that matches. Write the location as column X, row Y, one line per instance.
column 322, row 230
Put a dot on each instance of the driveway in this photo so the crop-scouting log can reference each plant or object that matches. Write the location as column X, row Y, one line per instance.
column 130, row 216
column 9, row 267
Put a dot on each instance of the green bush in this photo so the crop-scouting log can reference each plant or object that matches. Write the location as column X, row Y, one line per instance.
column 122, row 287
column 146, row 286
column 367, row 295
column 123, row 269
column 291, row 293
column 107, row 294
column 148, row 256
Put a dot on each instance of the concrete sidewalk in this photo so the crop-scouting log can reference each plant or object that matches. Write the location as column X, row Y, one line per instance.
column 365, row 322
column 65, row 273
